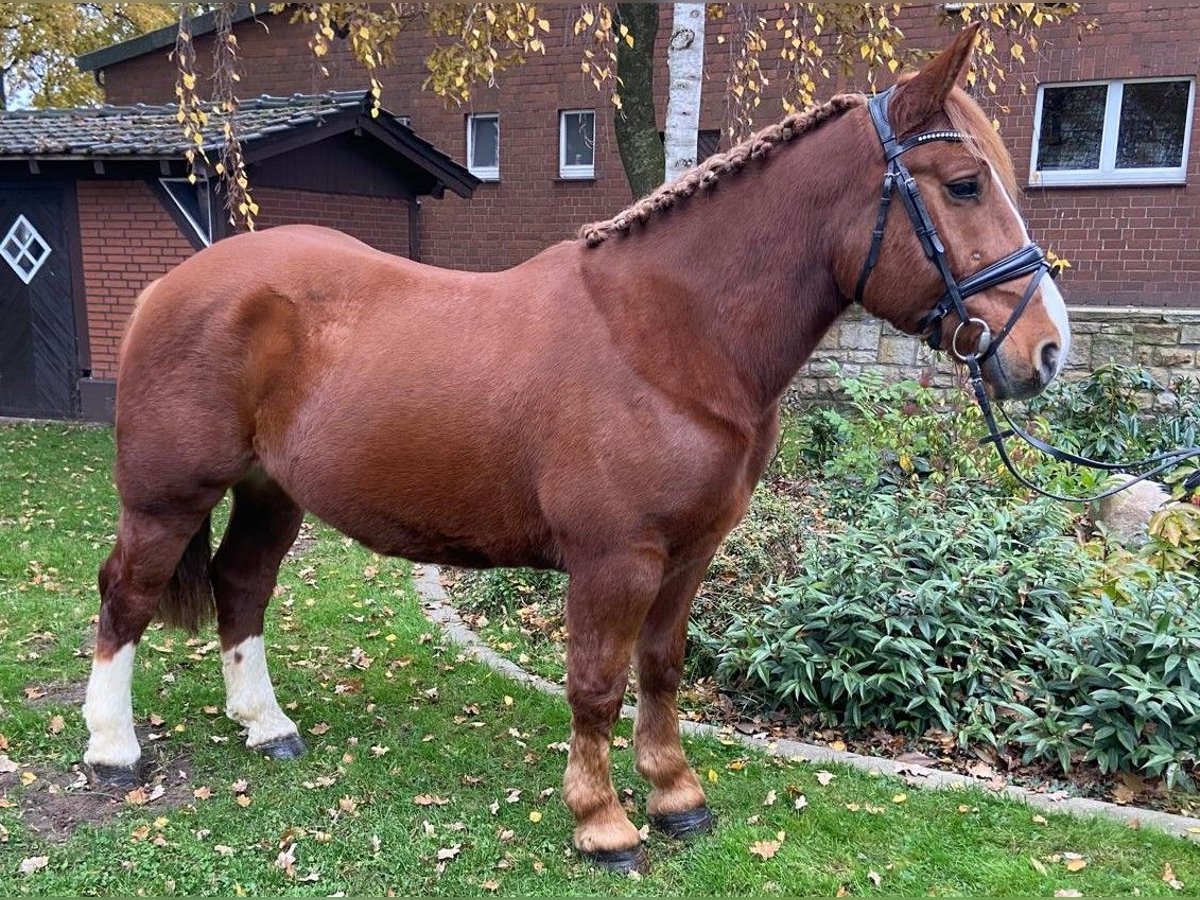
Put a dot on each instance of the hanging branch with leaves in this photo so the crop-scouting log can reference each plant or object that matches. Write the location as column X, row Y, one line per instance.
column 231, row 166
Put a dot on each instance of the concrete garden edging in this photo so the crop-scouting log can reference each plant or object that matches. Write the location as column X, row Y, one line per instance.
column 439, row 611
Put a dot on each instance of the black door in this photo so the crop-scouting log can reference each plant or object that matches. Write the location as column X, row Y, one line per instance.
column 38, row 365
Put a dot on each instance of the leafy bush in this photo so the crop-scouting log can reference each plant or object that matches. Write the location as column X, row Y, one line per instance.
column 1118, row 684
column 911, row 618
column 946, row 612
column 1121, row 412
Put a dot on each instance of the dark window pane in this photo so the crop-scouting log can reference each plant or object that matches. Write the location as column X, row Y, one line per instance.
column 486, row 136
column 1153, row 119
column 1072, row 127
column 579, row 134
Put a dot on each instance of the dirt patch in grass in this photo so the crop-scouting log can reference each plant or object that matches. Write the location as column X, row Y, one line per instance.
column 59, row 802
column 56, row 693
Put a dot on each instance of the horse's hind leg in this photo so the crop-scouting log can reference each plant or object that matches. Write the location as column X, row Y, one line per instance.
column 153, row 545
column 262, row 527
column 677, row 805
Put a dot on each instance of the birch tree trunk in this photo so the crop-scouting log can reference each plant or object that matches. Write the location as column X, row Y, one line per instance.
column 685, row 71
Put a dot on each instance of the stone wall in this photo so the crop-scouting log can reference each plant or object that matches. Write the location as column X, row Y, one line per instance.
column 1165, row 341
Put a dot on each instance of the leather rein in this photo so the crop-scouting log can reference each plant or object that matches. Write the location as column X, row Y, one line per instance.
column 1029, row 260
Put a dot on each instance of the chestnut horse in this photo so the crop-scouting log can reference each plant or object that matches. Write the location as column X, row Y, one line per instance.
column 604, row 409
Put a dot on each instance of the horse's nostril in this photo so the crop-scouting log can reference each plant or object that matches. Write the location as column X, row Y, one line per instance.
column 1049, row 360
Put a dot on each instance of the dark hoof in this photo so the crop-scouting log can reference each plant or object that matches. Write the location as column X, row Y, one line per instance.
column 122, row 778
column 685, row 824
column 290, row 746
column 633, row 859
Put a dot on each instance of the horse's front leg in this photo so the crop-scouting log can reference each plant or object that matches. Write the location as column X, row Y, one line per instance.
column 606, row 604
column 677, row 805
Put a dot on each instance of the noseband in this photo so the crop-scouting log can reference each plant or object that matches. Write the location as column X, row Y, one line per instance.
column 1028, row 260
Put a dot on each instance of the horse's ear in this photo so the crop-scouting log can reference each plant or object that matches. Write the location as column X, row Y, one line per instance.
column 921, row 97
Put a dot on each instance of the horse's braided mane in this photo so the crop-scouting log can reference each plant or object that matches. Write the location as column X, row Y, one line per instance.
column 758, row 146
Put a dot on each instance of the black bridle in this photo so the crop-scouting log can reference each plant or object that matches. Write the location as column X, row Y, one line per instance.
column 1029, row 260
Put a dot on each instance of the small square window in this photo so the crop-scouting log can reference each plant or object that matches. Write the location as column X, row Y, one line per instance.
column 1112, row 132
column 483, row 146
column 24, row 249
column 577, row 143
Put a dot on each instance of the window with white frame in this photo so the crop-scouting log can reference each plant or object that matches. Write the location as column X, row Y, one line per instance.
column 1134, row 131
column 192, row 199
column 483, row 146
column 577, row 143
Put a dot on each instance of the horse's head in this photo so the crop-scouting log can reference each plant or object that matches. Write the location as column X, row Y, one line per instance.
column 946, row 254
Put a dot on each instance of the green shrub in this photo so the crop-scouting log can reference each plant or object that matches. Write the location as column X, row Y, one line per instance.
column 910, row 618
column 1118, row 684
column 1121, row 412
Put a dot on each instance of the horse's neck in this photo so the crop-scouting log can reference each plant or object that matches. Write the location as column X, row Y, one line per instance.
column 725, row 296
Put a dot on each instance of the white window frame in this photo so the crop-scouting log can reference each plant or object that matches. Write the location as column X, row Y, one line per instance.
column 574, row 171
column 483, row 173
column 1108, row 174
column 204, row 234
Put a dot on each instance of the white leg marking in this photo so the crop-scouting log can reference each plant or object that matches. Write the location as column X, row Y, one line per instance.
column 249, row 697
column 108, row 711
column 1051, row 297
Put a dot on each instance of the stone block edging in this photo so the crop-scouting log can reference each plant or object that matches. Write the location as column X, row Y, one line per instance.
column 439, row 611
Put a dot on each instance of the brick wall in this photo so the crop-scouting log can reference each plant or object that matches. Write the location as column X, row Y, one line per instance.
column 128, row 241
column 379, row 221
column 1127, row 245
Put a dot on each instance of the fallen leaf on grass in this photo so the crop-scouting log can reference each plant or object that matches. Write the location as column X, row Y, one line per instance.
column 446, row 853
column 712, row 775
column 769, row 800
column 491, row 885
column 1067, row 892
column 31, row 864
column 1040, row 820
column 429, row 800
column 900, row 798
column 535, row 816
column 203, row 792
column 1075, row 862
column 764, row 849
column 243, row 800
column 286, row 860
column 319, row 729
column 223, row 850
column 823, row 778
column 240, row 786
column 800, row 802
column 1169, row 879
column 57, row 724
column 28, row 778
column 876, row 878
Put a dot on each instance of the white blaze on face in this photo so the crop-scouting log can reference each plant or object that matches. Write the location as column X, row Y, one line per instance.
column 108, row 711
column 249, row 697
column 1048, row 292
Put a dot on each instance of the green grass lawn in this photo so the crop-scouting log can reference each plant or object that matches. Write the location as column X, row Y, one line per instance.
column 391, row 714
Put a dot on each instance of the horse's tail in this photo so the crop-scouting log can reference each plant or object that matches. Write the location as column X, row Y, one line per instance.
column 188, row 601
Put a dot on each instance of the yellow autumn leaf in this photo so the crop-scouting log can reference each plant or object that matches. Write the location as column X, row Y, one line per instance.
column 535, row 816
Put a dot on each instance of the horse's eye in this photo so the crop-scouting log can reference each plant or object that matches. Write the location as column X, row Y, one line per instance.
column 967, row 189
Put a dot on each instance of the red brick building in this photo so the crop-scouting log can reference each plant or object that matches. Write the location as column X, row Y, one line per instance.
column 1132, row 238
column 1099, row 123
